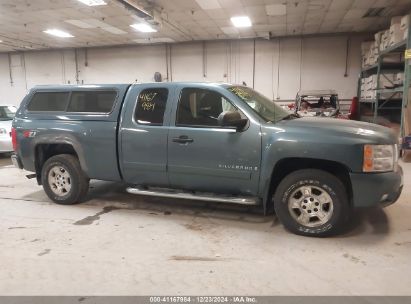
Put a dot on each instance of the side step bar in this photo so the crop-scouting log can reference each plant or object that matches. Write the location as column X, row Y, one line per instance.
column 163, row 192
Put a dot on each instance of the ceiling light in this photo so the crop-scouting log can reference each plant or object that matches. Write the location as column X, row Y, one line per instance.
column 1, row 41
column 93, row 2
column 241, row 21
column 143, row 27
column 58, row 33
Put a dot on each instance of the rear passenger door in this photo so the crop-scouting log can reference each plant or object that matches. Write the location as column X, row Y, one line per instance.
column 143, row 135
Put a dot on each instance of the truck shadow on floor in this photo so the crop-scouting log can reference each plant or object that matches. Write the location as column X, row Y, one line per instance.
column 109, row 196
column 113, row 195
column 104, row 194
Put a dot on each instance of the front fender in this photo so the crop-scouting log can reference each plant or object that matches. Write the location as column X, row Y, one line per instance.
column 279, row 144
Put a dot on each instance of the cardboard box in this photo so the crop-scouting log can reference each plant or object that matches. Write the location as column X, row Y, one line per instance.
column 366, row 46
column 396, row 34
column 377, row 37
column 405, row 22
column 396, row 20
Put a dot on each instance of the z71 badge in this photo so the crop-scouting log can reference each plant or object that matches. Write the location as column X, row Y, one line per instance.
column 29, row 133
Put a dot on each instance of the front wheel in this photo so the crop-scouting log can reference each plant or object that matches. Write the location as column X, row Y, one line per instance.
column 311, row 202
column 63, row 179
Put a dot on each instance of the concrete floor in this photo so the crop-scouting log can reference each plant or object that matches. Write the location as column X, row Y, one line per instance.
column 120, row 244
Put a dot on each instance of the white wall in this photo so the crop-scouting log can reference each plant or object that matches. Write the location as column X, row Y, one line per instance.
column 282, row 66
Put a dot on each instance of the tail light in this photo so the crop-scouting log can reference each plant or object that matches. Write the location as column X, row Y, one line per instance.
column 14, row 139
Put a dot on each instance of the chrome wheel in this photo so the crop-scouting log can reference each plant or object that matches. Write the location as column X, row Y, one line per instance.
column 310, row 206
column 59, row 180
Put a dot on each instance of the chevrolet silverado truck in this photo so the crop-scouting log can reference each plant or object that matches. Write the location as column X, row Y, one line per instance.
column 215, row 142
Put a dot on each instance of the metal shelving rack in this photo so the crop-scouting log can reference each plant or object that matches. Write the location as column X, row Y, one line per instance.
column 395, row 98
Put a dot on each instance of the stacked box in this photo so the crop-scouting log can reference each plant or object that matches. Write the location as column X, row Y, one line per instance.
column 396, row 20
column 377, row 37
column 405, row 22
column 404, row 26
column 396, row 34
column 369, row 52
column 399, row 77
column 369, row 84
column 384, row 40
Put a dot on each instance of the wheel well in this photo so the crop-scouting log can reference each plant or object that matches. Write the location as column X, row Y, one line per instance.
column 44, row 151
column 288, row 165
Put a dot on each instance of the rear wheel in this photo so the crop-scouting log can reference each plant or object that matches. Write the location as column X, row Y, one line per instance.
column 63, row 179
column 311, row 202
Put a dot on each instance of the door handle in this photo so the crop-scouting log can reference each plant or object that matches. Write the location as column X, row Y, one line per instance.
column 183, row 139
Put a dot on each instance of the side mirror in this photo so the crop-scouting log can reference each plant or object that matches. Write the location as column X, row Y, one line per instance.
column 232, row 119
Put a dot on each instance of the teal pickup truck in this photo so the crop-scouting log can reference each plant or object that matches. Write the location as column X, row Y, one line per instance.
column 215, row 142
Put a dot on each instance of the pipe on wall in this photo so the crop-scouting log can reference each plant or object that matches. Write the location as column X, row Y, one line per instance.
column 166, row 49
column 253, row 63
column 347, row 56
column 171, row 61
column 10, row 71
column 204, row 59
column 278, row 69
column 85, row 57
column 63, row 67
column 23, row 63
column 76, row 63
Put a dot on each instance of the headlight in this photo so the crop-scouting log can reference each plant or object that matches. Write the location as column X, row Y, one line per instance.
column 3, row 131
column 380, row 158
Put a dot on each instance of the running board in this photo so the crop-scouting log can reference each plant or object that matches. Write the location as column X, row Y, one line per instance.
column 163, row 192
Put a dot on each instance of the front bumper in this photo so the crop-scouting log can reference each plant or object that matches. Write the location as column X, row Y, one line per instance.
column 5, row 144
column 370, row 189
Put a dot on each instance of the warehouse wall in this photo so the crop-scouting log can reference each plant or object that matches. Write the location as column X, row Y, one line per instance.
column 282, row 66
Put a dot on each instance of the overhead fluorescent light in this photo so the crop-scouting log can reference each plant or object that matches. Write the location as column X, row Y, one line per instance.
column 143, row 27
column 208, row 4
column 241, row 21
column 58, row 33
column 1, row 41
column 93, row 2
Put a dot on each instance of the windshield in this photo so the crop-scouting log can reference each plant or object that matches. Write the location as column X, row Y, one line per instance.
column 7, row 112
column 264, row 107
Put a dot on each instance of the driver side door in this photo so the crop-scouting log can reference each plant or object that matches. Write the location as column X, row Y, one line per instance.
column 203, row 156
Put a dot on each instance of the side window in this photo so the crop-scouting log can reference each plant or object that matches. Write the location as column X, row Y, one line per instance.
column 92, row 101
column 48, row 102
column 151, row 104
column 199, row 107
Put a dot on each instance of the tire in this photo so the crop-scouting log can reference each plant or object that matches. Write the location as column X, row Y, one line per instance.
column 314, row 194
column 63, row 179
